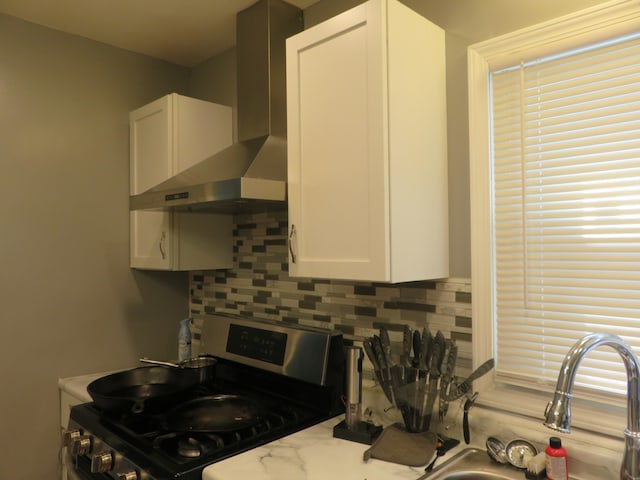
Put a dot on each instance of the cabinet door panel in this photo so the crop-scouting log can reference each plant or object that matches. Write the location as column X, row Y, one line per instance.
column 151, row 240
column 336, row 184
column 150, row 145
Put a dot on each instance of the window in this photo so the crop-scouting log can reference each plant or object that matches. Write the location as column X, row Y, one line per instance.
column 555, row 163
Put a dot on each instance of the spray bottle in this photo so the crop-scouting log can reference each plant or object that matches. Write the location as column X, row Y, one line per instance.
column 184, row 340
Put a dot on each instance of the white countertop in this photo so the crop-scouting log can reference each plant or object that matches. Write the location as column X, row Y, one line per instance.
column 311, row 454
column 314, row 454
column 77, row 386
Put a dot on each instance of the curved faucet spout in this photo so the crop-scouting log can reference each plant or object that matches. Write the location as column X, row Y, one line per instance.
column 558, row 413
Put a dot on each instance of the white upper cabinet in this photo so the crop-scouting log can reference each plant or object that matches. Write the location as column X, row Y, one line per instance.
column 367, row 159
column 166, row 137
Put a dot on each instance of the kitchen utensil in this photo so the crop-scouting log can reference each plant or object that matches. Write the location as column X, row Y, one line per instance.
column 143, row 388
column 205, row 365
column 385, row 371
column 435, row 364
column 496, row 450
column 407, row 341
column 447, row 378
column 368, row 349
column 426, row 342
column 385, row 341
column 465, row 418
column 214, row 413
column 465, row 386
column 417, row 349
column 423, row 364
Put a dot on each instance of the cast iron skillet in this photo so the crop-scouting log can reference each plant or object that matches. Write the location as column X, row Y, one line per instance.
column 142, row 389
column 213, row 413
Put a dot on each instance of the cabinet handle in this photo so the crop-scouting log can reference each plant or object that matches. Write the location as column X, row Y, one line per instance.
column 291, row 235
column 161, row 245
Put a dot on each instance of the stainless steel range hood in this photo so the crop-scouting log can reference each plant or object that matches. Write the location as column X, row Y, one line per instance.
column 251, row 174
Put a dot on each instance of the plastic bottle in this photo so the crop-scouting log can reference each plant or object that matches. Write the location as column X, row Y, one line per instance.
column 556, row 460
column 184, row 340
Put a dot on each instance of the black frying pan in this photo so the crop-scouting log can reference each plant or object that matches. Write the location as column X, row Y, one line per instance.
column 143, row 388
column 213, row 413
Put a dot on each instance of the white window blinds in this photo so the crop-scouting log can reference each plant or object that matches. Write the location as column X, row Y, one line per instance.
column 566, row 211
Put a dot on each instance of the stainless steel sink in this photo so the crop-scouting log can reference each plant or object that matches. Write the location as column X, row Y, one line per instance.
column 473, row 464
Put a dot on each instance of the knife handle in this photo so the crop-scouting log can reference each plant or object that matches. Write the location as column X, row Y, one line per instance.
column 465, row 418
column 406, row 345
column 379, row 352
column 385, row 341
column 465, row 427
column 368, row 348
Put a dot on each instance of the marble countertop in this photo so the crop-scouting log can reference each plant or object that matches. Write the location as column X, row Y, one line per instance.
column 311, row 454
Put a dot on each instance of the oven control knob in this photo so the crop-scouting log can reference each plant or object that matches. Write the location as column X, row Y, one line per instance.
column 128, row 476
column 101, row 462
column 80, row 446
column 69, row 436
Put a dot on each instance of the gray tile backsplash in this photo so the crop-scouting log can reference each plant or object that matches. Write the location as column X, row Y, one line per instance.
column 260, row 286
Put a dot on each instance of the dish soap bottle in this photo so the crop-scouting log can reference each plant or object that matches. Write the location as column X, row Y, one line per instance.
column 184, row 340
column 556, row 460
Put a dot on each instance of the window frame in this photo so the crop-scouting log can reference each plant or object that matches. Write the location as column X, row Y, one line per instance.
column 599, row 23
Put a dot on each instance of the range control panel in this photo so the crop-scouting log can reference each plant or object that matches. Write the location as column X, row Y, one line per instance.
column 293, row 350
column 257, row 343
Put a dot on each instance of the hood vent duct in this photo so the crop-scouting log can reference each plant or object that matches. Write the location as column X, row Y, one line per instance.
column 251, row 174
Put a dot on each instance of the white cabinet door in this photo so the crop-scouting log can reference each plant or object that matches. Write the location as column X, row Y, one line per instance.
column 367, row 174
column 168, row 136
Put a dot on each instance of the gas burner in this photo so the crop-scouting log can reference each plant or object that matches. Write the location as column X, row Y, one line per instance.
column 189, row 447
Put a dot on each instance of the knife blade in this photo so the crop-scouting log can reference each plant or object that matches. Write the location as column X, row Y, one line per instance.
column 465, row 386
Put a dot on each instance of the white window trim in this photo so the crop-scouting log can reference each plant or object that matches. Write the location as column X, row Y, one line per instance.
column 615, row 18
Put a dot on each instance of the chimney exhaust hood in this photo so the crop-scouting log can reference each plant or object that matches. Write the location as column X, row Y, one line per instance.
column 251, row 174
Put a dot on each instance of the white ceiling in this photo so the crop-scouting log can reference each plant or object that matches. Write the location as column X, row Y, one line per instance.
column 184, row 32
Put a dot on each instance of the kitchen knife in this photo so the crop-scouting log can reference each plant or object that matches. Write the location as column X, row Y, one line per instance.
column 417, row 349
column 386, row 344
column 425, row 355
column 406, row 346
column 434, row 376
column 368, row 348
column 447, row 378
column 465, row 386
column 384, row 368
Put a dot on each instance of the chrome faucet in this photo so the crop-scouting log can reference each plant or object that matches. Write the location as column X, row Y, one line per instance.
column 558, row 412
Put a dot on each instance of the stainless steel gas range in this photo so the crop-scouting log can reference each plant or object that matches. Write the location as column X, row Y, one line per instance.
column 271, row 380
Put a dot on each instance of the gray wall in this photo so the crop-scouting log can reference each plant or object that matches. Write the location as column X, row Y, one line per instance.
column 69, row 303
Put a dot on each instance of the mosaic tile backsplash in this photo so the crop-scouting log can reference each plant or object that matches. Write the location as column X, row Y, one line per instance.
column 259, row 286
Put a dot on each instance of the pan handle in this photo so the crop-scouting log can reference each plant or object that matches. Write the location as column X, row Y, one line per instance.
column 158, row 362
